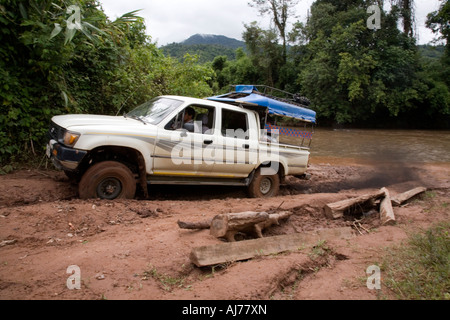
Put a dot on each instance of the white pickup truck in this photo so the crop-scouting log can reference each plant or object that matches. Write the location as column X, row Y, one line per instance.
column 223, row 140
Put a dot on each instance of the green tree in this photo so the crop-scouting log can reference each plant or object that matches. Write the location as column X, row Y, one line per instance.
column 66, row 56
column 279, row 11
column 355, row 75
column 407, row 14
column 33, row 61
column 239, row 70
column 439, row 21
column 265, row 52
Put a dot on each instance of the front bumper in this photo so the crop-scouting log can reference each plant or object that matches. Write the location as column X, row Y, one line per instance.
column 64, row 158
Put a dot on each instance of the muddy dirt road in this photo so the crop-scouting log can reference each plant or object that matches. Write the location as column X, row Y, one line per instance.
column 135, row 249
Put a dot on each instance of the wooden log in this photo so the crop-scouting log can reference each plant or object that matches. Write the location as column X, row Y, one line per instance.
column 405, row 196
column 226, row 225
column 274, row 218
column 194, row 225
column 243, row 250
column 336, row 209
column 386, row 211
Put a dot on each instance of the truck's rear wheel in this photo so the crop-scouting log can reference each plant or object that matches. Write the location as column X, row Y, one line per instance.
column 264, row 186
column 107, row 180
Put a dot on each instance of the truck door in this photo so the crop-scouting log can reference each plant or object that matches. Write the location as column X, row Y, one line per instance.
column 236, row 150
column 180, row 144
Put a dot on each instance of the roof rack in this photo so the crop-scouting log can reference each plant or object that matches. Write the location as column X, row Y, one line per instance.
column 274, row 93
column 285, row 105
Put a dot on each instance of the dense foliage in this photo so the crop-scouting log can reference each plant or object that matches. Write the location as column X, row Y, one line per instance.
column 205, row 46
column 353, row 75
column 55, row 58
column 204, row 52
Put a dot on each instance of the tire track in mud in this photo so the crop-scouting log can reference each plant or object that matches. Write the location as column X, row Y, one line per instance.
column 261, row 278
column 28, row 187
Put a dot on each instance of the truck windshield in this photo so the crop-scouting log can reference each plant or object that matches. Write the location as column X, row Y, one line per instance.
column 154, row 111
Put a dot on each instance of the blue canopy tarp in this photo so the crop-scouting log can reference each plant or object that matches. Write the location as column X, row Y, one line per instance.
column 249, row 94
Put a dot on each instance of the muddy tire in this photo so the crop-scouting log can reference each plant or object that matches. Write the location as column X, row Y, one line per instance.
column 264, row 186
column 107, row 180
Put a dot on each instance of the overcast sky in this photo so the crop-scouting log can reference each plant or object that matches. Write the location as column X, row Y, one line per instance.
column 170, row 21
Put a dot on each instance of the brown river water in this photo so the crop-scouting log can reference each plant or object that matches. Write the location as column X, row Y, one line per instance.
column 382, row 145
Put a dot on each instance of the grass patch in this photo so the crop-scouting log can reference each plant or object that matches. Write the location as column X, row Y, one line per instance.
column 167, row 282
column 321, row 249
column 420, row 269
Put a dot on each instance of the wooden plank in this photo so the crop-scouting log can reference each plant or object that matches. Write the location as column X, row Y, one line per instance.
column 386, row 211
column 405, row 196
column 243, row 250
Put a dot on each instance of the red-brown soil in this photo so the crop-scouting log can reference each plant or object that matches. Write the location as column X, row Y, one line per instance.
column 134, row 249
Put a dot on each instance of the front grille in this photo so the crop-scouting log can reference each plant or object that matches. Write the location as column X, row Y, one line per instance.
column 55, row 132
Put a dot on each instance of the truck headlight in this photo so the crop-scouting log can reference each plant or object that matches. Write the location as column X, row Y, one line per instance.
column 70, row 138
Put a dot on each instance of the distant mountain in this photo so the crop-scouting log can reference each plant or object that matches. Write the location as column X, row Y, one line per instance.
column 214, row 40
column 431, row 52
column 206, row 46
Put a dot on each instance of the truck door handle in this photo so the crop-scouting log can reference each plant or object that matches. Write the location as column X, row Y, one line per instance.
column 246, row 146
column 207, row 141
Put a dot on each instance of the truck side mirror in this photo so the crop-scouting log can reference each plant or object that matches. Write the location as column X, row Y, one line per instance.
column 183, row 133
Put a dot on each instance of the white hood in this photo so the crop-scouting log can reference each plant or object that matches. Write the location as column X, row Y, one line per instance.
column 82, row 120
column 96, row 130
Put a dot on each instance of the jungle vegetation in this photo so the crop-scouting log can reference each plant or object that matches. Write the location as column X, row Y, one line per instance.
column 67, row 56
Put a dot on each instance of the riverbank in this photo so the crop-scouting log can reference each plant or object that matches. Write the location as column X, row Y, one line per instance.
column 134, row 249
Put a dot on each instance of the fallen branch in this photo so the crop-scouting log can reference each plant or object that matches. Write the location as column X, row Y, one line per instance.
column 357, row 226
column 362, row 227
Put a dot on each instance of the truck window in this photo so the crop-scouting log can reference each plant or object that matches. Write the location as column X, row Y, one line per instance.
column 194, row 118
column 154, row 111
column 234, row 124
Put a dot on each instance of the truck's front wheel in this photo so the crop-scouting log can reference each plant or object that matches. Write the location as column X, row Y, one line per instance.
column 107, row 180
column 264, row 186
